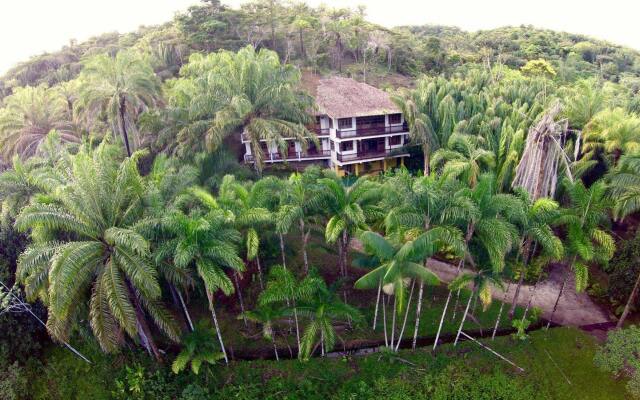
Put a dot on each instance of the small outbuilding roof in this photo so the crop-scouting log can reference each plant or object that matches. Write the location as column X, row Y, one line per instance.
column 344, row 97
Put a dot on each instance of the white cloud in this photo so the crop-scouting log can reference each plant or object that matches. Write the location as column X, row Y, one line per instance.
column 30, row 27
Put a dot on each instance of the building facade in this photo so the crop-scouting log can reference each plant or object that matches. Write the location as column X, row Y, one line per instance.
column 359, row 130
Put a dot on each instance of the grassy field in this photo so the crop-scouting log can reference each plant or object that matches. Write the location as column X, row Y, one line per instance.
column 558, row 364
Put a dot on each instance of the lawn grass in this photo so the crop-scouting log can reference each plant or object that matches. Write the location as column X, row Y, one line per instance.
column 543, row 356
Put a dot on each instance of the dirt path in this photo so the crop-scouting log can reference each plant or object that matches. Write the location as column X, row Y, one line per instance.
column 574, row 309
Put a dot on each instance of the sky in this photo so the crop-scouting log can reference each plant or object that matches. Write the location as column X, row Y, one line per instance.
column 30, row 27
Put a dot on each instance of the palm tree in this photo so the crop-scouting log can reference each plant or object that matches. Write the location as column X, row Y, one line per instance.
column 534, row 223
column 300, row 201
column 463, row 157
column 613, row 131
column 349, row 208
column 488, row 233
column 583, row 101
column 29, row 114
column 284, row 289
column 430, row 112
column 401, row 258
column 198, row 348
column 258, row 98
column 250, row 217
column 207, row 241
column 419, row 205
column 84, row 240
column 585, row 240
column 165, row 184
column 482, row 282
column 120, row 88
column 322, row 308
column 624, row 185
column 266, row 314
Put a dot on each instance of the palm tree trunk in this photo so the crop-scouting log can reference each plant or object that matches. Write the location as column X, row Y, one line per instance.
column 185, row 310
column 295, row 318
column 504, row 299
column 143, row 327
column 284, row 261
column 406, row 314
column 525, row 260
column 239, row 289
column 215, row 324
column 555, row 306
column 321, row 342
column 345, row 253
column 627, row 307
column 375, row 313
column 418, row 310
column 121, row 114
column 393, row 324
column 305, row 237
column 455, row 306
column 259, row 271
column 275, row 350
column 384, row 321
column 425, row 151
column 444, row 310
column 533, row 293
column 302, row 54
column 464, row 316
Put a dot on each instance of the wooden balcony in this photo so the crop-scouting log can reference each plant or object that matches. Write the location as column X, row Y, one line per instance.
column 374, row 130
column 367, row 155
column 319, row 131
column 291, row 156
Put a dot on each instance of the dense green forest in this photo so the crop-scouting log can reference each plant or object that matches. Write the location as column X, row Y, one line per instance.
column 140, row 259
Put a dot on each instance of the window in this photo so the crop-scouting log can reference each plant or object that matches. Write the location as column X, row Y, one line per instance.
column 333, row 147
column 346, row 146
column 330, row 123
column 395, row 119
column 372, row 120
column 395, row 140
column 344, row 123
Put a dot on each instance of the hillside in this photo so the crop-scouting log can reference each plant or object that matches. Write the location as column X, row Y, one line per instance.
column 338, row 40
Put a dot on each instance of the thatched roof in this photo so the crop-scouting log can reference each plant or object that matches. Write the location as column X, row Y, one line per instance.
column 344, row 97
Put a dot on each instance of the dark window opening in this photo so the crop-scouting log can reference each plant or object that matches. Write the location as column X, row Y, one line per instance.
column 395, row 140
column 346, row 146
column 344, row 123
column 395, row 119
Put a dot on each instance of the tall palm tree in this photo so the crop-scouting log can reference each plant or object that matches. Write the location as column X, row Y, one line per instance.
column 119, row 88
column 613, row 131
column 534, row 223
column 300, row 202
column 250, row 216
column 488, row 231
column 430, row 113
column 624, row 185
column 463, row 157
column 259, row 99
column 85, row 241
column 420, row 205
column 401, row 258
column 322, row 308
column 205, row 240
column 585, row 241
column 349, row 208
column 29, row 114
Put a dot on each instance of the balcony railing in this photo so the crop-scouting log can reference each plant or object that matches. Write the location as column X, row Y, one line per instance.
column 370, row 131
column 320, row 131
column 291, row 156
column 366, row 155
